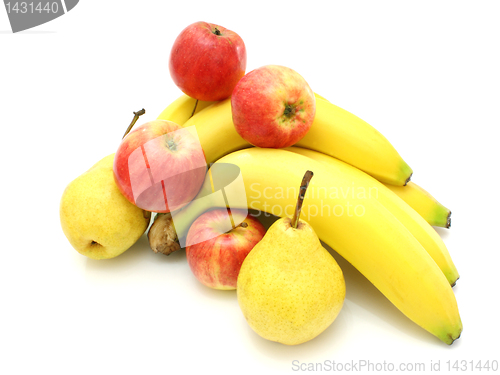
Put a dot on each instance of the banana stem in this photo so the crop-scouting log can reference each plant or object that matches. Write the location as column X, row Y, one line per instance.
column 302, row 192
column 134, row 120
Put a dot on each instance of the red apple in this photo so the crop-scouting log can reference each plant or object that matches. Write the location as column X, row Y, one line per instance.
column 207, row 61
column 160, row 166
column 273, row 106
column 215, row 250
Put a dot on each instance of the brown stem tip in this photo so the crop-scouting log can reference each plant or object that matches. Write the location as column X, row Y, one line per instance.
column 134, row 120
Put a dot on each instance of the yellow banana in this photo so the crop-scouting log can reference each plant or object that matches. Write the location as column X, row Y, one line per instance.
column 182, row 108
column 424, row 203
column 415, row 223
column 339, row 133
column 334, row 132
column 359, row 227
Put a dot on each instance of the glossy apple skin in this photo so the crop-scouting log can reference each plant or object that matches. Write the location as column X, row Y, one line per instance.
column 214, row 256
column 273, row 106
column 159, row 166
column 207, row 66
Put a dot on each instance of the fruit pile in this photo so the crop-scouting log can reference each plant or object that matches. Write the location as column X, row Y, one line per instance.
column 264, row 141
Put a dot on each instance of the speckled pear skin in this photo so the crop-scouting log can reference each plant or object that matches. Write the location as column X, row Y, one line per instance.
column 290, row 288
column 97, row 219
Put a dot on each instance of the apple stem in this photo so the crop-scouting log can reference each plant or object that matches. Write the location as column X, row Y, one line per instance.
column 216, row 31
column 134, row 120
column 242, row 225
column 302, row 192
column 194, row 109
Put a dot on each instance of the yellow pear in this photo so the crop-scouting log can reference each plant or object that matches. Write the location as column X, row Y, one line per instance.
column 290, row 288
column 97, row 219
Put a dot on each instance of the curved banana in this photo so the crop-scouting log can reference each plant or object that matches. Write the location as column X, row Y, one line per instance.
column 215, row 129
column 334, row 132
column 361, row 229
column 339, row 133
column 182, row 108
column 416, row 224
column 424, row 203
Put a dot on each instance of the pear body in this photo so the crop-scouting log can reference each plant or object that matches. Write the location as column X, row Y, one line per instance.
column 290, row 288
column 97, row 219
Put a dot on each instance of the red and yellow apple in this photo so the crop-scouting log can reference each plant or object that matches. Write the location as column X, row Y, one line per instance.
column 160, row 166
column 207, row 61
column 273, row 106
column 215, row 249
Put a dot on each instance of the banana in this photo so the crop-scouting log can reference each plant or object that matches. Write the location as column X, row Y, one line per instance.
column 339, row 133
column 334, row 132
column 424, row 203
column 182, row 108
column 415, row 223
column 215, row 129
column 359, row 228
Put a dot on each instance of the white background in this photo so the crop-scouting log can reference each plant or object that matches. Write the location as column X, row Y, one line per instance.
column 425, row 74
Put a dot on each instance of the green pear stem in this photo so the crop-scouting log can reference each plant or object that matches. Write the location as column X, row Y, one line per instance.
column 134, row 120
column 302, row 193
column 194, row 109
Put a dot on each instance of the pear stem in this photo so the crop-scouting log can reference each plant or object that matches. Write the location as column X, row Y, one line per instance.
column 302, row 192
column 134, row 120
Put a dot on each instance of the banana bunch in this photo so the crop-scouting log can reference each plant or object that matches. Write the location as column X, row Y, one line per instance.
column 361, row 203
column 335, row 132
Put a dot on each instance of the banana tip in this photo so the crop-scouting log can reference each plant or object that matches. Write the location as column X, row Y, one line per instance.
column 454, row 339
column 408, row 179
column 448, row 221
